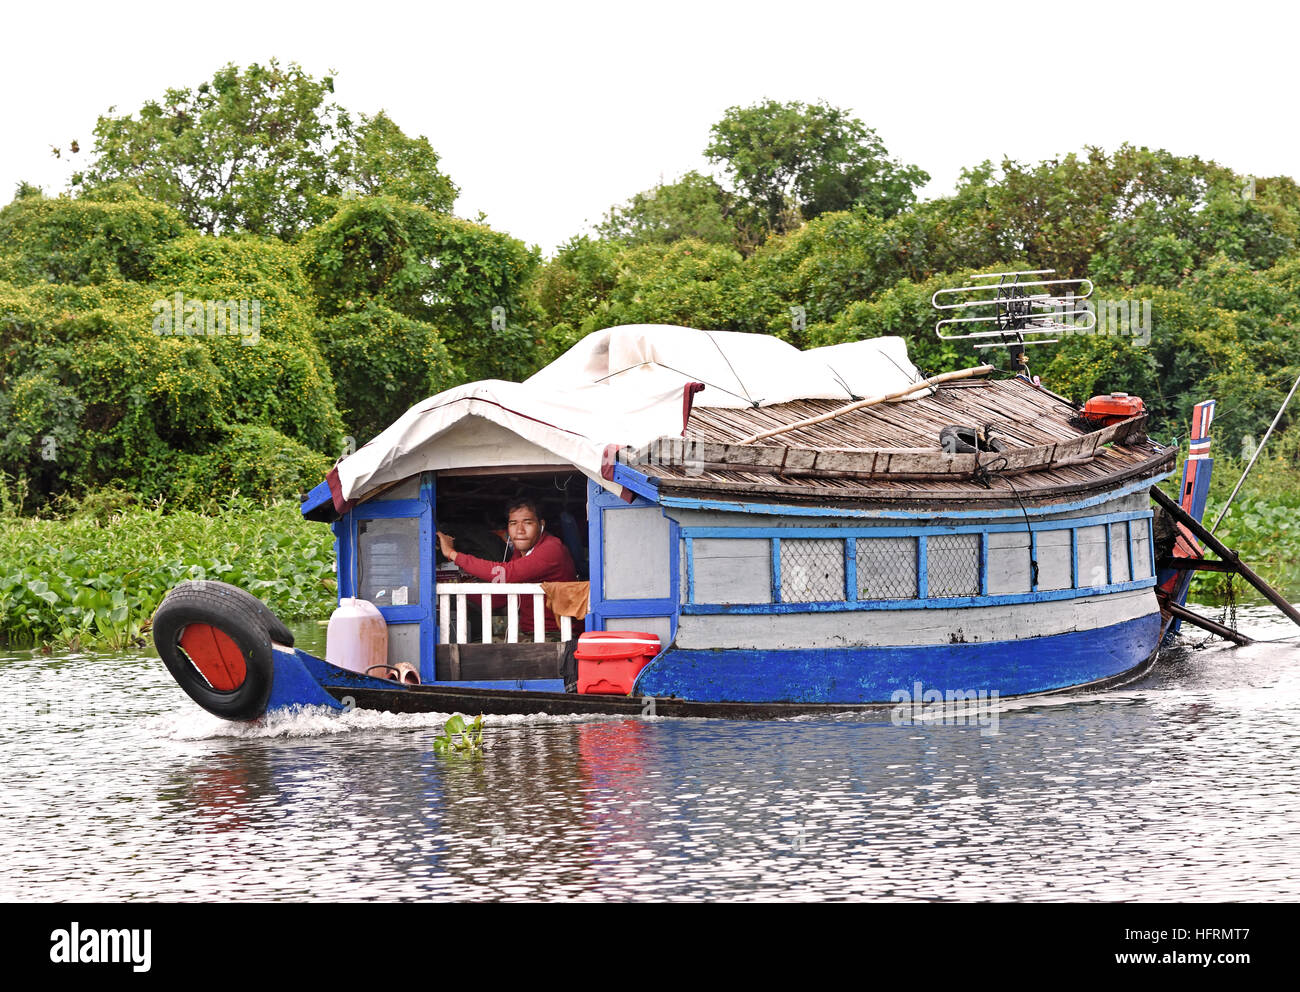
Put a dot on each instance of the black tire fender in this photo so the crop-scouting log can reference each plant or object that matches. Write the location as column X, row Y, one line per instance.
column 213, row 604
column 280, row 634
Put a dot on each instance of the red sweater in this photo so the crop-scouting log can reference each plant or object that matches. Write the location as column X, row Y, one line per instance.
column 547, row 561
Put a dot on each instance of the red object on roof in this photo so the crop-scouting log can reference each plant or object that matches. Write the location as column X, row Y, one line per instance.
column 1113, row 408
column 610, row 660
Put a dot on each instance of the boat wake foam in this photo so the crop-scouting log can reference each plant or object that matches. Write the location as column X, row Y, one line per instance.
column 321, row 721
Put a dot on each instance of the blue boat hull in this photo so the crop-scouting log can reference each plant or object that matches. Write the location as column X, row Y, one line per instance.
column 874, row 674
column 760, row 683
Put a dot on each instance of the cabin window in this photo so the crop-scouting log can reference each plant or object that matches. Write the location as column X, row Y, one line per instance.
column 886, row 567
column 388, row 561
column 812, row 570
column 953, row 565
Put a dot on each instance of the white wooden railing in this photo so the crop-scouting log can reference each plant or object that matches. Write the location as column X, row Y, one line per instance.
column 462, row 592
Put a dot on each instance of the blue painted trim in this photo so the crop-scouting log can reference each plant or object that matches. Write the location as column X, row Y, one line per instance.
column 630, row 478
column 595, row 554
column 922, row 567
column 776, row 570
column 428, row 564
column 424, row 612
column 920, row 534
column 1110, row 571
column 912, row 531
column 934, row 603
column 791, row 510
column 319, row 496
column 601, row 609
column 851, row 570
column 984, row 564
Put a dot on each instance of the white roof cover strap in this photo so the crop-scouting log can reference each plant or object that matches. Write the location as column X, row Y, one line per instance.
column 621, row 386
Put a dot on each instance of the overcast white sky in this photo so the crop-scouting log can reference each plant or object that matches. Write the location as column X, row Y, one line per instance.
column 546, row 113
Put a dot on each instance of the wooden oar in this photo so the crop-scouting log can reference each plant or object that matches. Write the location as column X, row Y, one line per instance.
column 871, row 401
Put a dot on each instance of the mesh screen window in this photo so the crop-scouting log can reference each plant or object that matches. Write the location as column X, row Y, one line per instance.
column 388, row 561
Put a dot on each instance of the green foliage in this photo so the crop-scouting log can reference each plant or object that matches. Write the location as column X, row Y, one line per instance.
column 902, row 309
column 261, row 150
column 382, row 161
column 249, row 151
column 459, row 736
column 111, row 235
column 84, row 365
column 247, row 458
column 432, row 268
column 793, row 159
column 1263, row 523
column 383, row 361
column 694, row 207
column 592, row 285
column 97, row 579
column 280, row 380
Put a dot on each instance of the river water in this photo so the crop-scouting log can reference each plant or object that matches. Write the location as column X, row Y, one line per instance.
column 1181, row 787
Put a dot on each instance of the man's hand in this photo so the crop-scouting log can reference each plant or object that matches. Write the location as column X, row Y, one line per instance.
column 447, row 545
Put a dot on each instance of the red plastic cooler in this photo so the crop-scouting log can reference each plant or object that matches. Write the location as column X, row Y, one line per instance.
column 610, row 660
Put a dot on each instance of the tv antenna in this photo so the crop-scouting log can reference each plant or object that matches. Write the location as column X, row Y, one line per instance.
column 1015, row 310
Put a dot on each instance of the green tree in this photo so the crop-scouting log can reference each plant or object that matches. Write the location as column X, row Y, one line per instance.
column 261, row 150
column 382, row 161
column 796, row 160
column 463, row 278
column 693, row 207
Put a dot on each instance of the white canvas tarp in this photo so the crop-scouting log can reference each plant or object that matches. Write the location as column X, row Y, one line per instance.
column 621, row 386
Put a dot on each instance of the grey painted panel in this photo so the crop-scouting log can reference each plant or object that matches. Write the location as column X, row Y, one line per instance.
column 886, row 567
column 1141, row 531
column 875, row 628
column 1054, row 568
column 953, row 565
column 407, row 489
column 636, row 553
column 403, row 643
column 1092, row 556
column 1008, row 562
column 661, row 627
column 1119, row 552
column 733, row 570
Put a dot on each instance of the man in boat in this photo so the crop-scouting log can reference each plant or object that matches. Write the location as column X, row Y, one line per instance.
column 535, row 556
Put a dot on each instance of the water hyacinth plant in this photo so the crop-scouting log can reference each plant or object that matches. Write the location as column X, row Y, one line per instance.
column 94, row 579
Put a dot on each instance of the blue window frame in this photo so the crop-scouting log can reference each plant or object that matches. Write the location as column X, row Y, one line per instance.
column 602, row 610
column 347, row 549
column 1136, row 529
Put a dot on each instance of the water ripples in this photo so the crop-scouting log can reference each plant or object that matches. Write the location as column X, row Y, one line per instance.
column 1179, row 788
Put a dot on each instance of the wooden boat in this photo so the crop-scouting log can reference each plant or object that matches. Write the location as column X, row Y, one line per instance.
column 792, row 552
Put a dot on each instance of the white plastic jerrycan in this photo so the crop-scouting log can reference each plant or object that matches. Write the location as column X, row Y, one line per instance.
column 357, row 637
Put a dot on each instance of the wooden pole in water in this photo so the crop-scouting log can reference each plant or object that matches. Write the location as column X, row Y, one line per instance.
column 1226, row 553
column 1205, row 624
column 871, row 401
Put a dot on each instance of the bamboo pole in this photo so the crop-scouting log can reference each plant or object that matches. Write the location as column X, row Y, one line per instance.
column 871, row 401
